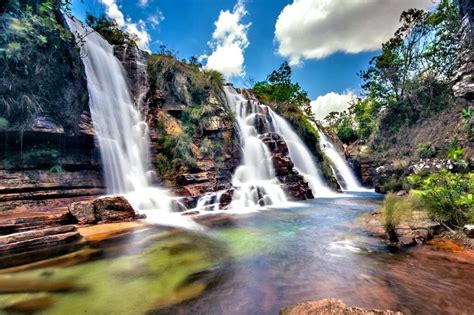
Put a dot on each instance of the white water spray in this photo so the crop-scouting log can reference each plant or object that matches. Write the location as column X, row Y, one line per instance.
column 343, row 173
column 254, row 180
column 120, row 130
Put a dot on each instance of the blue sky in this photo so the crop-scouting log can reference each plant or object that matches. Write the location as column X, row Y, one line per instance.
column 327, row 41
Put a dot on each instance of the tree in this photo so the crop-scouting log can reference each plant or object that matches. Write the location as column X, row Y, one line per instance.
column 110, row 31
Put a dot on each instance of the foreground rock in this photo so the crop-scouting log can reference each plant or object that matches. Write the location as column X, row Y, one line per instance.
column 330, row 307
column 37, row 244
column 104, row 209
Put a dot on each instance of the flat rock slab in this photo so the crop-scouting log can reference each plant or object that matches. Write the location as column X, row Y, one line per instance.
column 19, row 221
column 330, row 307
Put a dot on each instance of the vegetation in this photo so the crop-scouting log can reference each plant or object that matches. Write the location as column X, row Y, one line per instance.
column 448, row 196
column 110, row 31
column 409, row 81
column 395, row 210
column 37, row 61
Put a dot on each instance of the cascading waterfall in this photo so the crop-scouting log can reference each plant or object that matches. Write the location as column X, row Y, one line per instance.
column 120, row 130
column 344, row 175
column 300, row 155
column 254, row 180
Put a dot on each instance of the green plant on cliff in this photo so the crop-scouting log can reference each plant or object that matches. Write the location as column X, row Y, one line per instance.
column 37, row 61
column 110, row 30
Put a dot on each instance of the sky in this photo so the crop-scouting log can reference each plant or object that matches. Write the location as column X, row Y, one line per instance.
column 327, row 42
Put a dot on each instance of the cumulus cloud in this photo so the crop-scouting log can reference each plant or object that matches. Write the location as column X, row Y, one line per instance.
column 229, row 41
column 142, row 3
column 331, row 102
column 314, row 29
column 137, row 29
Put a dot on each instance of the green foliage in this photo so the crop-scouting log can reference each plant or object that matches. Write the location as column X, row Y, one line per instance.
column 448, row 196
column 455, row 151
column 110, row 30
column 175, row 151
column 3, row 123
column 279, row 90
column 467, row 118
column 410, row 79
column 37, row 61
column 426, row 150
column 393, row 184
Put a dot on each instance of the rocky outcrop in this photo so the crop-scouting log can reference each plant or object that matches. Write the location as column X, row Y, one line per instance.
column 134, row 62
column 330, row 307
column 102, row 210
column 464, row 78
column 292, row 182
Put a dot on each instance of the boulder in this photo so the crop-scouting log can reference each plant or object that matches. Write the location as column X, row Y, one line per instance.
column 330, row 307
column 469, row 230
column 226, row 199
column 83, row 211
column 113, row 208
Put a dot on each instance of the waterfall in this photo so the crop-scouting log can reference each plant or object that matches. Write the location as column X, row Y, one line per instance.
column 300, row 155
column 254, row 179
column 343, row 173
column 120, row 129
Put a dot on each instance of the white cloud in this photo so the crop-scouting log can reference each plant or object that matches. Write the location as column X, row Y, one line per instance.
column 331, row 102
column 137, row 29
column 314, row 29
column 142, row 3
column 229, row 41
column 156, row 19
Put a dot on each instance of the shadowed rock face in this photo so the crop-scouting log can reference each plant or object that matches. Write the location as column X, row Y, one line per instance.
column 291, row 180
column 464, row 79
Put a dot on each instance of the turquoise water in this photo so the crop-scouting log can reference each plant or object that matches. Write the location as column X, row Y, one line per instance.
column 256, row 264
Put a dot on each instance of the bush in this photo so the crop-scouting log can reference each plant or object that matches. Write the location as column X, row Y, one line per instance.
column 110, row 31
column 426, row 150
column 447, row 196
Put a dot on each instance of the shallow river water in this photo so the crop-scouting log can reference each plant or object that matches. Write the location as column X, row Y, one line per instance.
column 257, row 264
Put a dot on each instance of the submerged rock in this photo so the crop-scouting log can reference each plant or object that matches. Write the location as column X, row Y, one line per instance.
column 330, row 307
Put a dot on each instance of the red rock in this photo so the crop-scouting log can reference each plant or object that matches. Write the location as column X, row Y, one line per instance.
column 83, row 211
column 113, row 208
column 330, row 307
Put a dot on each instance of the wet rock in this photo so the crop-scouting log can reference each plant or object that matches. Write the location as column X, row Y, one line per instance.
column 30, row 305
column 46, row 124
column 330, row 307
column 113, row 208
column 292, row 182
column 24, row 241
column 12, row 285
column 260, row 123
column 83, row 211
column 226, row 199
column 469, row 230
column 178, row 206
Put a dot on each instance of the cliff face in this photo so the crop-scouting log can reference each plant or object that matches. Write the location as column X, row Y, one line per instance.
column 47, row 149
column 464, row 80
column 194, row 141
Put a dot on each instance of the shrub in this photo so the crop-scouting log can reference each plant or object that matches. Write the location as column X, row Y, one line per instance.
column 392, row 184
column 110, row 30
column 447, row 196
column 426, row 150
column 3, row 123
